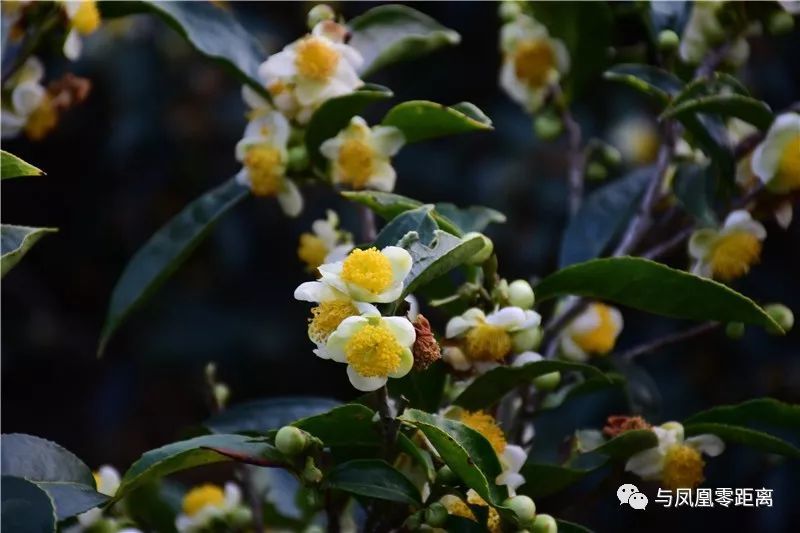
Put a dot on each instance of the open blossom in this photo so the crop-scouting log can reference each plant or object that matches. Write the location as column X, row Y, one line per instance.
column 32, row 109
column 593, row 332
column 511, row 457
column 360, row 156
column 84, row 19
column 637, row 139
column 375, row 348
column 369, row 275
column 263, row 154
column 209, row 503
column 727, row 253
column 776, row 161
column 311, row 70
column 326, row 243
column 532, row 61
column 676, row 462
column 704, row 31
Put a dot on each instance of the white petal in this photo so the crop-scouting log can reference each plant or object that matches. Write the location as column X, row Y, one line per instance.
column 406, row 362
column 367, row 309
column 710, row 445
column 514, row 457
column 587, row 321
column 253, row 99
column 362, row 383
column 73, row 45
column 233, row 495
column 456, row 326
column 562, row 55
column 278, row 65
column 454, row 357
column 387, row 140
column 509, row 318
column 532, row 320
column 400, row 260
column 386, row 296
column 570, row 350
column 525, row 358
column 402, row 330
column 383, row 177
column 290, row 199
column 12, row 123
column 701, row 242
column 314, row 291
column 27, row 97
column 646, row 464
column 108, row 480
column 783, row 214
column 330, row 148
column 513, row 480
column 183, row 523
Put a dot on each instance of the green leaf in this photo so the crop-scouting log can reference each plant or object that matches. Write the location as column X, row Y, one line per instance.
column 467, row 219
column 692, row 185
column 651, row 81
column 392, row 33
column 373, row 478
column 38, row 459
column 468, row 454
column 420, row 120
column 203, row 450
column 418, row 220
column 623, row 446
column 165, row 251
column 546, row 479
column 746, row 108
column 260, row 416
column 749, row 437
column 25, row 508
column 719, row 82
column 12, row 166
column 15, row 241
column 211, row 30
column 71, row 499
column 602, row 216
column 154, row 506
column 335, row 114
column 649, row 286
column 347, row 425
column 588, row 386
column 490, row 387
column 423, row 390
column 443, row 255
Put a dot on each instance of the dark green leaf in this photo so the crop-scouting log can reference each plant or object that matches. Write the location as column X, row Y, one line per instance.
column 742, row 435
column 709, row 133
column 347, row 425
column 12, row 166
column 746, row 108
column 649, row 286
column 546, row 479
column 626, row 444
column 692, row 186
column 38, row 459
column 15, row 241
column 25, row 507
column 472, row 218
column 757, row 411
column 155, row 505
column 423, row 390
column 373, row 478
column 260, row 416
column 719, row 82
column 490, row 387
column 602, row 216
column 166, row 250
column 445, row 253
column 652, row 81
column 71, row 499
column 576, row 390
column 335, row 114
column 421, row 120
column 418, row 220
column 391, row 33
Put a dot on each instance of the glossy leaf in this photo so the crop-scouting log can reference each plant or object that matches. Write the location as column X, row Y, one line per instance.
column 545, row 479
column 649, row 286
column 651, row 81
column 418, row 220
column 420, row 120
column 260, row 416
column 624, row 445
column 391, row 33
column 165, row 251
column 692, row 186
column 335, row 114
column 745, row 108
column 25, row 507
column 757, row 411
column 38, row 459
column 424, row 389
column 472, row 218
column 444, row 253
column 709, row 134
column 490, row 387
column 373, row 478
column 71, row 499
column 589, row 386
column 602, row 216
column 743, row 435
column 15, row 241
column 346, row 425
column 12, row 166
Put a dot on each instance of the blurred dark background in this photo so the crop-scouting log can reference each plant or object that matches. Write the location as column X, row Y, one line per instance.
column 159, row 129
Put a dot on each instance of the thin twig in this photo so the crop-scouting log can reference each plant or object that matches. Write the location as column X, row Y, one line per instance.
column 666, row 340
column 577, row 161
column 368, row 229
column 668, row 245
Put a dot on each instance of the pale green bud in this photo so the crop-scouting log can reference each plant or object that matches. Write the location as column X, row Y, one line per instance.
column 544, row 523
column 668, row 41
column 446, row 476
column 319, row 13
column 548, row 126
column 240, row 516
column 291, row 440
column 782, row 315
column 211, row 371
column 520, row 294
column 221, row 394
column 436, row 515
column 509, row 10
column 414, row 521
column 611, row 155
column 484, row 253
column 734, row 330
column 311, row 473
column 547, row 382
column 596, row 171
column 524, row 508
column 298, row 158
column 527, row 340
column 780, row 23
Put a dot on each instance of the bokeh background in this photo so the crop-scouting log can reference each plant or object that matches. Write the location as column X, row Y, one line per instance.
column 159, row 129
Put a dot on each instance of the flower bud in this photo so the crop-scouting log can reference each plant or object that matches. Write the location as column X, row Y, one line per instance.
column 298, row 158
column 527, row 339
column 446, row 476
column 221, row 394
column 211, row 371
column 524, row 508
column 291, row 440
column 596, row 171
column 547, row 126
column 311, row 473
column 782, row 315
column 544, row 523
column 734, row 330
column 414, row 521
column 780, row 23
column 611, row 155
column 509, row 10
column 547, row 382
column 484, row 253
column 239, row 516
column 318, row 13
column 520, row 294
column 668, row 41
column 436, row 515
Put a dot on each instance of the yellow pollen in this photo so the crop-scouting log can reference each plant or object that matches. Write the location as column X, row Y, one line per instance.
column 788, row 176
column 601, row 339
column 733, row 255
column 355, row 163
column 316, row 59
column 533, row 62
column 312, row 250
column 277, row 88
column 326, row 318
column 373, row 351
column 42, row 121
column 265, row 166
column 201, row 497
column 486, row 342
column 369, row 269
column 96, row 476
column 87, row 17
column 486, row 425
column 683, row 468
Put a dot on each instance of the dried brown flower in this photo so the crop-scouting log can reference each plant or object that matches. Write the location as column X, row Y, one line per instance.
column 426, row 350
column 618, row 424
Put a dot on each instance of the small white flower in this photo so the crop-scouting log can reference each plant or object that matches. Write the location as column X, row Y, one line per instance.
column 593, row 332
column 532, row 61
column 311, row 70
column 27, row 96
column 264, row 156
column 107, row 480
column 375, row 348
column 326, row 243
column 369, row 275
column 84, row 19
column 205, row 503
column 776, row 161
column 360, row 156
column 512, row 460
column 727, row 253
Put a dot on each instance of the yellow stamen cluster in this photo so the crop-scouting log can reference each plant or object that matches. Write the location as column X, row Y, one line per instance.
column 312, row 250
column 265, row 167
column 601, row 339
column 373, row 351
column 733, row 255
column 355, row 163
column 369, row 269
column 788, row 175
column 683, row 467
column 87, row 17
column 96, row 476
column 326, row 318
column 533, row 61
column 42, row 121
column 201, row 497
column 316, row 59
column 486, row 425
column 486, row 342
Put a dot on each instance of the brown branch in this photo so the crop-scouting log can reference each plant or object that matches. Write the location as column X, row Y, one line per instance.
column 668, row 245
column 666, row 340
